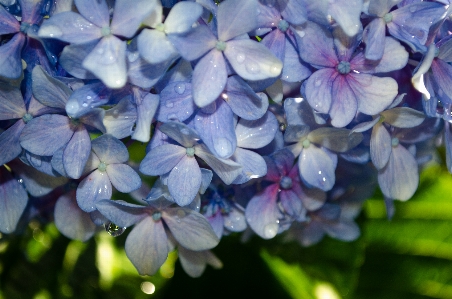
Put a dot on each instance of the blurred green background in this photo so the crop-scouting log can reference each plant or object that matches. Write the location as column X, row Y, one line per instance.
column 409, row 256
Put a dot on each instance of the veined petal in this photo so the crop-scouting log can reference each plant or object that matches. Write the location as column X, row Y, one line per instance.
column 400, row 178
column 162, row 159
column 72, row 57
column 335, row 139
column 252, row 60
column 190, row 229
column 71, row 221
column 122, row 213
column 77, row 152
column 403, row 117
column 85, row 98
column 70, row 27
column 291, row 203
column 146, row 110
column 48, row 90
column 374, row 37
column 236, row 17
column 182, row 16
column 94, row 118
column 316, row 168
column 442, row 72
column 128, row 15
column 9, row 142
column 258, row 133
column 194, row 43
column 120, row 119
column 94, row 187
column 107, row 61
column 12, row 105
column 253, row 165
column 209, row 78
column 293, row 11
column 294, row 70
column 345, row 105
column 123, row 177
column 176, row 102
column 180, row 132
column 184, row 181
column 319, row 87
column 347, row 14
column 46, row 134
column 109, row 149
column 94, row 11
column 155, row 47
column 10, row 57
column 13, row 200
column 9, row 23
column 147, row 246
column 380, row 146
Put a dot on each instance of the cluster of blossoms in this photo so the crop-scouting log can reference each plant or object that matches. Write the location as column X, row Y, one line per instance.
column 264, row 117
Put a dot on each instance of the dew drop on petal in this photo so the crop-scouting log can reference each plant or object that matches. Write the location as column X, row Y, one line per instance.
column 114, row 230
column 275, row 69
column 169, row 104
column 252, row 68
column 50, row 31
column 301, row 33
column 185, row 131
column 240, row 58
column 172, row 116
column 413, row 8
column 179, row 88
column 270, row 230
column 317, row 83
column 223, row 147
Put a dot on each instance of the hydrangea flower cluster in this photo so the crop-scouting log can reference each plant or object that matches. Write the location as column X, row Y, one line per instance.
column 263, row 117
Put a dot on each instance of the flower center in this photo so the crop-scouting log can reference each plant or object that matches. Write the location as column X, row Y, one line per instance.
column 306, row 143
column 24, row 27
column 283, row 25
column 190, row 151
column 220, row 46
column 27, row 117
column 106, row 31
column 394, row 141
column 285, row 183
column 156, row 216
column 160, row 27
column 343, row 67
column 102, row 166
column 388, row 17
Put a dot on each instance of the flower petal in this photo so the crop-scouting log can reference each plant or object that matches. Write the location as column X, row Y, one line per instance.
column 48, row 90
column 94, row 187
column 85, row 98
column 319, row 88
column 72, row 57
column 94, row 11
column 9, row 142
column 258, row 133
column 162, row 159
column 316, row 168
column 335, row 139
column 154, row 46
column 12, row 105
column 236, row 17
column 380, row 146
column 13, row 200
column 345, row 105
column 10, row 57
column 182, row 16
column 123, row 177
column 253, row 165
column 77, row 152
column 122, row 213
column 177, row 102
column 184, row 181
column 128, row 16
column 194, row 43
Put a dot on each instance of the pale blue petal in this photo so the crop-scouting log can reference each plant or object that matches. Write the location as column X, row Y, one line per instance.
column 206, row 179
column 12, row 105
column 253, row 165
column 193, row 262
column 107, row 61
column 235, row 220
column 49, row 91
column 77, row 152
column 226, row 169
column 162, row 159
column 143, row 74
column 442, row 72
column 128, row 16
column 190, row 229
column 71, row 221
column 294, row 133
column 123, row 177
column 10, row 57
column 374, row 37
column 299, row 112
column 87, row 97
column 316, row 168
column 57, row 162
column 154, row 46
column 345, row 104
column 294, row 70
column 195, row 43
column 400, row 178
column 364, row 126
column 94, row 11
column 46, row 134
column 319, row 88
column 345, row 230
column 182, row 16
column 236, row 17
column 380, row 146
column 120, row 119
column 122, row 213
column 293, row 11
column 252, row 60
column 9, row 142
column 335, row 139
column 177, row 102
column 147, row 246
column 94, row 118
column 69, row 27
column 180, row 132
column 109, row 149
column 256, row 134
column 184, row 181
column 209, row 78
column 72, row 57
column 13, row 200
column 146, row 109
column 347, row 14
column 94, row 187
column 217, row 130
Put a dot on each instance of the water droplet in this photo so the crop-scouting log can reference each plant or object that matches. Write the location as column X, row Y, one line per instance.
column 301, row 33
column 185, row 131
column 270, row 230
column 413, row 8
column 223, row 147
column 169, row 104
column 114, row 230
column 156, row 216
column 275, row 69
column 20, row 181
column 172, row 116
column 132, row 56
column 50, row 31
column 85, row 104
column 317, row 83
column 240, row 58
column 252, row 67
column 179, row 88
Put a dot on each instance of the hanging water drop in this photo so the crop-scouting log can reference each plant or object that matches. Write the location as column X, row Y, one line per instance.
column 223, row 147
column 114, row 230
column 270, row 230
column 179, row 88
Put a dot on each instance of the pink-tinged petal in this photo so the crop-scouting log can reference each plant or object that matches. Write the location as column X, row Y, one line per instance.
column 12, row 105
column 400, row 178
column 48, row 90
column 316, row 46
column 319, row 88
column 195, row 43
column 190, row 229
column 258, row 133
column 10, row 57
column 182, row 16
column 154, row 47
column 442, row 72
column 122, row 213
column 347, row 14
column 13, row 200
column 252, row 60
column 9, row 142
column 70, row 27
column 109, row 149
column 184, row 181
column 9, row 23
column 46, row 134
column 226, row 169
column 273, row 173
column 380, row 146
column 162, row 159
column 147, row 246
column 284, row 160
column 94, row 11
column 77, row 152
column 373, row 93
column 94, row 187
column 123, row 177
column 345, row 104
column 71, row 221
column 217, row 130
column 216, row 221
column 291, row 203
column 32, row 11
column 253, row 165
column 128, row 15
column 263, row 214
column 316, row 168
column 107, row 61
column 209, row 78
column 236, row 17
column 374, row 37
